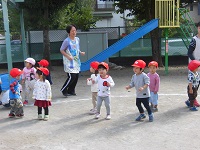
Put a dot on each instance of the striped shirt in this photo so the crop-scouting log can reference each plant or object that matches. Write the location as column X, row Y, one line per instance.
column 193, row 78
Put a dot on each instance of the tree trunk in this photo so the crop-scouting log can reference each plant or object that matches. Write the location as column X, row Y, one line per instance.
column 46, row 44
column 156, row 48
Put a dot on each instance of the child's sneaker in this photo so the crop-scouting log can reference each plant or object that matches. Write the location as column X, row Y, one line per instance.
column 193, row 108
column 140, row 117
column 151, row 117
column 40, row 117
column 187, row 103
column 154, row 109
column 93, row 111
column 46, row 117
column 20, row 115
column 108, row 117
column 97, row 116
column 196, row 103
column 25, row 102
column 11, row 115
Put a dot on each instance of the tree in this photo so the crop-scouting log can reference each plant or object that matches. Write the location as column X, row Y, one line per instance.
column 40, row 15
column 79, row 13
column 143, row 9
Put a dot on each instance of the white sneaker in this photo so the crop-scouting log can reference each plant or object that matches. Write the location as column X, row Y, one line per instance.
column 108, row 117
column 40, row 117
column 93, row 111
column 46, row 117
column 97, row 116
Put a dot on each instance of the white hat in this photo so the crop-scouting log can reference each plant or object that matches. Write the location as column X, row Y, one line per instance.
column 30, row 60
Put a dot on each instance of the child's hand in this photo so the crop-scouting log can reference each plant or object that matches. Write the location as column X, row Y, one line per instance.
column 82, row 53
column 108, row 84
column 155, row 92
column 93, row 81
column 127, row 87
column 89, row 79
column 141, row 89
column 191, row 91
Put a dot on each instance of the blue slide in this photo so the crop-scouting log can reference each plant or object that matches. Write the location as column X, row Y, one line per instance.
column 119, row 45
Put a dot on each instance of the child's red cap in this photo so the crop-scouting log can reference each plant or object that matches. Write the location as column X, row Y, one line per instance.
column 43, row 63
column 153, row 63
column 194, row 64
column 104, row 64
column 94, row 65
column 14, row 72
column 139, row 63
column 45, row 71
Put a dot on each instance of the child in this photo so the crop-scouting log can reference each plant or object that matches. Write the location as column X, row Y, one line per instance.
column 28, row 77
column 193, row 79
column 104, row 83
column 154, row 84
column 141, row 81
column 44, row 63
column 14, row 94
column 94, row 87
column 42, row 93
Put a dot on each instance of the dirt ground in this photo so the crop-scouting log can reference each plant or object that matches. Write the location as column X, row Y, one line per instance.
column 70, row 126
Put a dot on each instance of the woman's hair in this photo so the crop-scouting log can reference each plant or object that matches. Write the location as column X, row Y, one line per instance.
column 40, row 73
column 69, row 27
column 96, row 72
column 198, row 24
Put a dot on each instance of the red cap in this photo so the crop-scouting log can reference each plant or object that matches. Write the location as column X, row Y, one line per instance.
column 104, row 64
column 14, row 72
column 94, row 65
column 194, row 64
column 43, row 63
column 153, row 63
column 45, row 71
column 139, row 63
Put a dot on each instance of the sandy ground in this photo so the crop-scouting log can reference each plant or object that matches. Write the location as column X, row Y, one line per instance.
column 70, row 127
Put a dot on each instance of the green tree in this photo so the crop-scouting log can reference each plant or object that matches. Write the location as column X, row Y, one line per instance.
column 39, row 14
column 79, row 13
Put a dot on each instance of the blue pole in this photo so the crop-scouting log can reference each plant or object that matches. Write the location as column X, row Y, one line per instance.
column 7, row 34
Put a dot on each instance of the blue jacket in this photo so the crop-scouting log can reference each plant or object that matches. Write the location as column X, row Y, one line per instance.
column 14, row 91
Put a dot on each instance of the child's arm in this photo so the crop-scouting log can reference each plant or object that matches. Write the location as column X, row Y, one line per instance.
column 190, row 88
column 131, row 84
column 49, row 94
column 146, row 83
column 157, row 84
column 12, row 85
column 143, row 87
column 111, row 83
column 89, row 81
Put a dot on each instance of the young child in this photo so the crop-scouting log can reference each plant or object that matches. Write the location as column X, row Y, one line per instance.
column 154, row 84
column 141, row 82
column 44, row 64
column 28, row 77
column 104, row 83
column 193, row 82
column 14, row 94
column 94, row 87
column 42, row 93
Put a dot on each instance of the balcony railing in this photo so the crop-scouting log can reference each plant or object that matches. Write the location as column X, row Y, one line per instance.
column 104, row 7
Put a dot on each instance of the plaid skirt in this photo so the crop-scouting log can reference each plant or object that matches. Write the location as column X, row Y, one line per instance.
column 42, row 103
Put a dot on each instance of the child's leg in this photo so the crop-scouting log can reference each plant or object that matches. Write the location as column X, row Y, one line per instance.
column 99, row 103
column 145, row 102
column 13, row 108
column 46, row 110
column 39, row 110
column 155, row 100
column 192, row 96
column 107, row 104
column 19, row 108
column 94, row 99
column 139, row 106
column 27, row 90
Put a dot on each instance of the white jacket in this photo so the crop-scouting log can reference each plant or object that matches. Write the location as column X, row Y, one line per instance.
column 94, row 87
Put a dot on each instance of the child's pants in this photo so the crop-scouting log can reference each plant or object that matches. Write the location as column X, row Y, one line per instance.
column 192, row 96
column 29, row 85
column 94, row 99
column 154, row 98
column 145, row 102
column 46, row 110
column 16, row 107
column 106, row 101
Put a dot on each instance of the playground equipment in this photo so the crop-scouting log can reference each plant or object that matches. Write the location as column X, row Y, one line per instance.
column 168, row 13
column 151, row 25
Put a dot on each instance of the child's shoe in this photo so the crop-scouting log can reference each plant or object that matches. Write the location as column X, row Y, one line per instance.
column 25, row 102
column 40, row 117
column 93, row 111
column 46, row 117
column 187, row 103
column 20, row 115
column 151, row 117
column 196, row 103
column 108, row 117
column 193, row 108
column 155, row 109
column 11, row 115
column 97, row 116
column 140, row 117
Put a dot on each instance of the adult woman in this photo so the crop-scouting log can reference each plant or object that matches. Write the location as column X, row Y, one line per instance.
column 70, row 50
